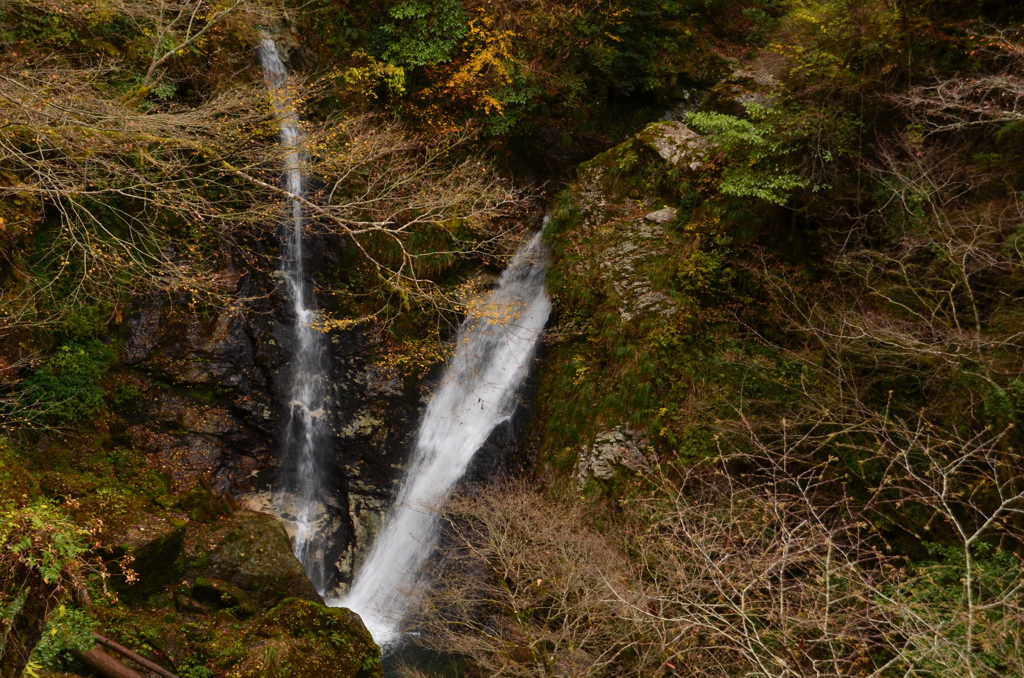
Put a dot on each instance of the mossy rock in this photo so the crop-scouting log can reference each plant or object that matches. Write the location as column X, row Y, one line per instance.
column 300, row 638
column 155, row 545
column 72, row 484
column 251, row 551
column 222, row 594
column 204, row 505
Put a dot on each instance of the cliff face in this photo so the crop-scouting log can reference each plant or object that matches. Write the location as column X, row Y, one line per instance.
column 645, row 281
column 209, row 393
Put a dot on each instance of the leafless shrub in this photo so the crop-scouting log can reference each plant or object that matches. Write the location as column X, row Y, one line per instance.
column 924, row 301
column 758, row 563
column 994, row 97
column 526, row 589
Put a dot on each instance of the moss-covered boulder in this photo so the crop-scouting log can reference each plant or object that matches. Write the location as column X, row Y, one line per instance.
column 153, row 546
column 251, row 551
column 299, row 639
column 223, row 595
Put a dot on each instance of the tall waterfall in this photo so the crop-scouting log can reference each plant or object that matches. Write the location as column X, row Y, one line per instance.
column 305, row 437
column 477, row 393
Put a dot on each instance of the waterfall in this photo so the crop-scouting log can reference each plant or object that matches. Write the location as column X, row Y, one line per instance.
column 298, row 497
column 477, row 392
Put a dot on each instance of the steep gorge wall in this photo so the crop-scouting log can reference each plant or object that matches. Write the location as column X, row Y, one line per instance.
column 210, row 394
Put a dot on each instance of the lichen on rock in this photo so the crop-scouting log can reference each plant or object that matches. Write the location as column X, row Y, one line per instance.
column 675, row 143
column 618, row 448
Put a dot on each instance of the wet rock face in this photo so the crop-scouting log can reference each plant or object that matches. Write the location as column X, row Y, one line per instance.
column 373, row 416
column 375, row 420
column 208, row 394
column 203, row 403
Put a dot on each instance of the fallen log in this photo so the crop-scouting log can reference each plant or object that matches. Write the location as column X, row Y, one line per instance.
column 105, row 665
column 134, row 656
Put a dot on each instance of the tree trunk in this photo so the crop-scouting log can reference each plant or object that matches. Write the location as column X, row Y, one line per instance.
column 105, row 665
column 137, row 658
column 26, row 628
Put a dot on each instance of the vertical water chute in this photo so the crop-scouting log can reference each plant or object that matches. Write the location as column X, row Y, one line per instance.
column 305, row 435
column 494, row 349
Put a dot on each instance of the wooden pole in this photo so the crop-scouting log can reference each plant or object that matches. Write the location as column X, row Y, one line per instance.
column 105, row 665
column 135, row 657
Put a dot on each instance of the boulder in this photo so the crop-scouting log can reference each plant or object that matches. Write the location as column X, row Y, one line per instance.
column 662, row 216
column 153, row 545
column 251, row 551
column 676, row 143
column 299, row 638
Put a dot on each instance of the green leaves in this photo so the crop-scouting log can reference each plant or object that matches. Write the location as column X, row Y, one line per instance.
column 42, row 552
column 67, row 387
column 67, row 629
column 423, row 33
column 758, row 150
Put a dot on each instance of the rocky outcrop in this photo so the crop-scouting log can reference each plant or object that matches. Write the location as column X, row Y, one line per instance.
column 629, row 239
column 620, row 448
column 754, row 81
column 204, row 397
column 218, row 588
column 675, row 143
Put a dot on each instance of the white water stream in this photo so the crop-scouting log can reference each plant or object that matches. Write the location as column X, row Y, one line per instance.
column 495, row 346
column 305, row 437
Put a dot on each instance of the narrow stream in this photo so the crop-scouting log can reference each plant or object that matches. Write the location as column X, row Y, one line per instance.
column 298, row 497
column 494, row 349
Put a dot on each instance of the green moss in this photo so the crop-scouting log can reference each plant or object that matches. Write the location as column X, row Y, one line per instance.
column 67, row 387
column 300, row 638
column 16, row 483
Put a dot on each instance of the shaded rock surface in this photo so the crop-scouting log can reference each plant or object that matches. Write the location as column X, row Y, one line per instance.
column 155, row 545
column 619, row 448
column 251, row 551
column 220, row 593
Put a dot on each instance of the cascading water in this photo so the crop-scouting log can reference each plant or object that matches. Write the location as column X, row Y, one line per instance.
column 477, row 393
column 298, row 497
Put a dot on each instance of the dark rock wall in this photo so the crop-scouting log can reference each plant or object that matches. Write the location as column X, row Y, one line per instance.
column 211, row 392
